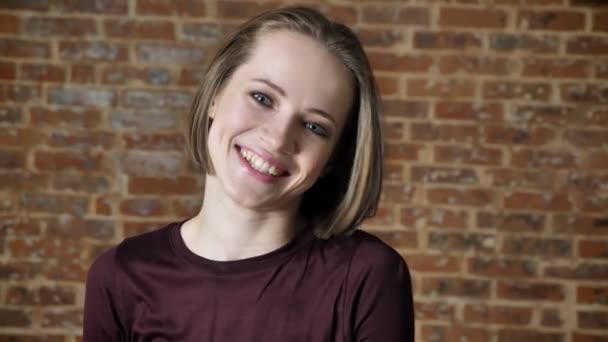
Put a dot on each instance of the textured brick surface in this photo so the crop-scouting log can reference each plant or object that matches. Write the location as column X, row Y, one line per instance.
column 495, row 115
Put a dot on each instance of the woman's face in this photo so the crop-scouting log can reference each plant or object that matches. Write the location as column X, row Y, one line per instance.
column 277, row 120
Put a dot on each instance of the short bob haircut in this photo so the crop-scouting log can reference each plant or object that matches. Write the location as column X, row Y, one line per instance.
column 350, row 189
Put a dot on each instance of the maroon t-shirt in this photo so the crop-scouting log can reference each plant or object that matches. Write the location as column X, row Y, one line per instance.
column 153, row 288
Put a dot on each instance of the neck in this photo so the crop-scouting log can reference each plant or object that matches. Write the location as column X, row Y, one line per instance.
column 223, row 230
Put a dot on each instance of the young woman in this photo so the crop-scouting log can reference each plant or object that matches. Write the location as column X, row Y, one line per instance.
column 286, row 130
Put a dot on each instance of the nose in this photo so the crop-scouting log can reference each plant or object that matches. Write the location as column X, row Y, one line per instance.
column 279, row 134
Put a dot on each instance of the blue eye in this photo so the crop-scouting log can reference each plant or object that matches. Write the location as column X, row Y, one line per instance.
column 261, row 98
column 316, row 129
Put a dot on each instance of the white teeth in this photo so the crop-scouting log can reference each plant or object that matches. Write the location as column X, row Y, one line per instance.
column 258, row 164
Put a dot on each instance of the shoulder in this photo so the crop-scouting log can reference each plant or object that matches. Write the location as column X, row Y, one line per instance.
column 371, row 252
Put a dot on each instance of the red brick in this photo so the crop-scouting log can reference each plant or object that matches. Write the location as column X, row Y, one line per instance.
column 66, row 319
column 191, row 76
column 453, row 333
column 506, row 135
column 55, row 204
column 139, row 98
column 66, row 270
column 46, row 248
column 404, row 109
column 170, row 53
column 442, row 175
column 445, row 133
column 20, row 295
column 551, row 20
column 597, row 160
column 580, row 271
column 592, row 319
column 346, row 14
column 8, row 71
column 521, row 179
column 69, row 117
column 429, row 263
column 11, row 160
column 497, row 314
column 397, row 193
column 59, row 27
column 92, row 6
column 401, row 151
column 408, row 16
column 187, row 8
column 559, row 116
column 152, row 185
column 43, row 72
column 11, row 47
column 93, row 51
column 30, row 5
column 455, row 287
column 586, row 138
column 466, row 197
column 545, row 247
column 530, row 291
column 469, row 65
column 509, row 335
column 441, row 88
column 15, row 318
column 243, row 9
column 507, row 42
column 152, row 163
column 446, row 40
column 437, row 217
column 82, row 73
column 186, row 206
column 387, row 85
column 501, row 267
column 9, row 24
column 601, row 70
column 583, row 225
column 20, row 137
column 82, row 139
column 543, row 159
column 63, row 161
column 103, row 206
column 592, row 294
column 593, row 249
column 158, row 141
column 81, row 96
column 462, row 242
column 499, row 90
column 20, row 93
column 552, row 318
column 589, row 337
column 11, row 115
column 539, row 201
column 138, row 29
column 143, row 207
column 600, row 21
column 556, row 68
column 18, row 270
column 456, row 154
column 380, row 37
column 427, row 311
column 585, row 93
column 472, row 18
column 131, row 75
column 82, row 183
column 491, row 112
column 587, row 45
column 381, row 61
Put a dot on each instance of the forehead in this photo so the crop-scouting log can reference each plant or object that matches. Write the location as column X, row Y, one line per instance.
column 302, row 66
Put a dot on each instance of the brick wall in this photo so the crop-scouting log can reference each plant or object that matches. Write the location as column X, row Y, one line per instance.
column 496, row 126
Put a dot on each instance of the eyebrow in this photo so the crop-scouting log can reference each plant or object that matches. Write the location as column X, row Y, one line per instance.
column 284, row 94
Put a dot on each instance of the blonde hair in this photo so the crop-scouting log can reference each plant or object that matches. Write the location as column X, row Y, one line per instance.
column 349, row 192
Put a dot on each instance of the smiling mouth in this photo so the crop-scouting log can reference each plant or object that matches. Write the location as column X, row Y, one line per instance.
column 261, row 165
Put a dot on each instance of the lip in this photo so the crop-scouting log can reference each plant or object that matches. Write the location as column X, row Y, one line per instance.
column 266, row 178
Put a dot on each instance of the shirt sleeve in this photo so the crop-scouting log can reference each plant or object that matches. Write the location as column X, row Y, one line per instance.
column 101, row 322
column 380, row 300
